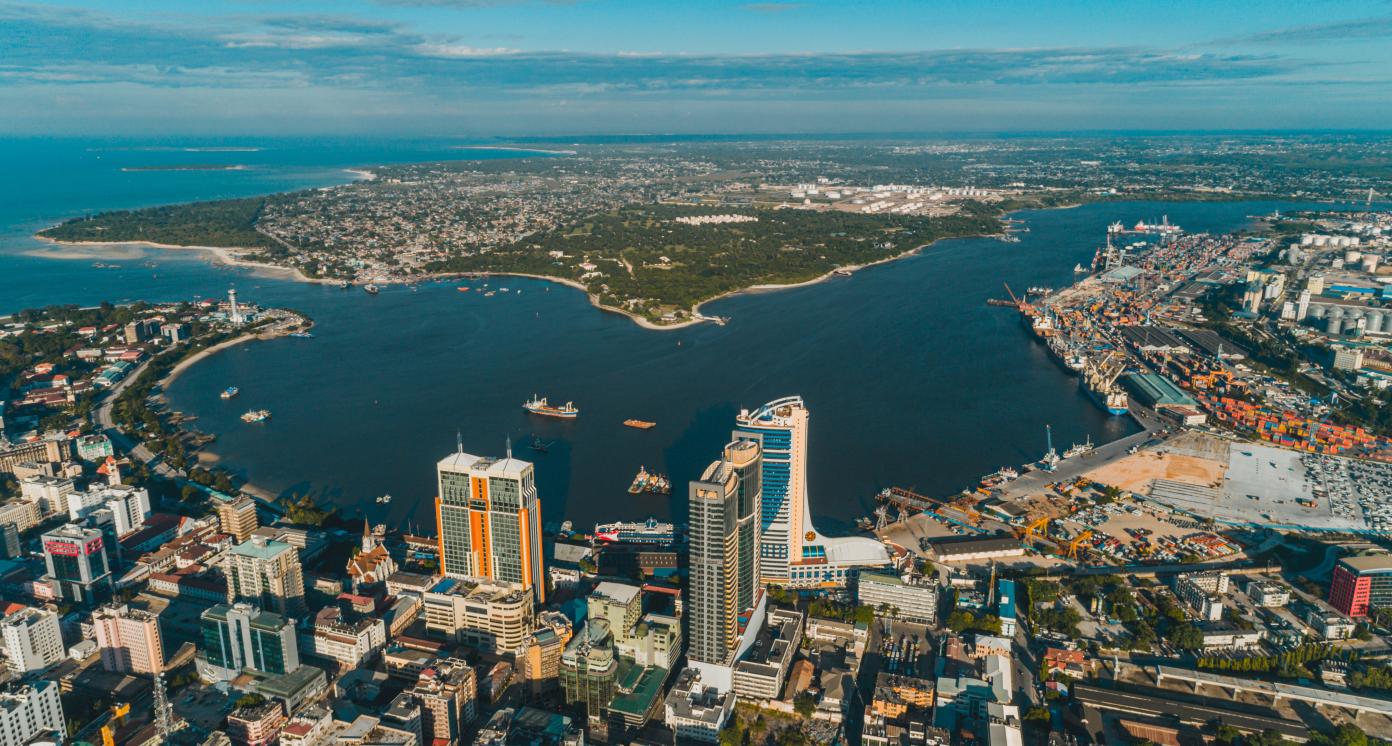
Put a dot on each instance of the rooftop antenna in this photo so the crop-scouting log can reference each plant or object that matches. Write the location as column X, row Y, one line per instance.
column 509, row 445
column 459, row 440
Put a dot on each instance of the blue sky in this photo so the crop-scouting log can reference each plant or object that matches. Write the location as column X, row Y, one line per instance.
column 515, row 67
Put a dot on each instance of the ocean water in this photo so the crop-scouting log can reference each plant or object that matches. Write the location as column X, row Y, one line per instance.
column 911, row 379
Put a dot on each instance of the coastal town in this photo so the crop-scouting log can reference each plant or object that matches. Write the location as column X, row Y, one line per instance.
column 615, row 220
column 1219, row 576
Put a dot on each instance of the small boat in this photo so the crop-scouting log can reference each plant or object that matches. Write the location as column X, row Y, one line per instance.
column 344, row 284
column 649, row 482
column 257, row 415
column 230, row 392
column 640, row 424
column 539, row 445
column 463, row 288
column 384, row 499
column 1079, row 269
column 539, row 405
column 371, row 289
column 302, row 335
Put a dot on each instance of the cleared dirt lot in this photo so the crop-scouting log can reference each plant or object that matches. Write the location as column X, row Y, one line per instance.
column 1136, row 472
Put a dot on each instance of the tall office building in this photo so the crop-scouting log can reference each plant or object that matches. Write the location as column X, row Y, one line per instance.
column 129, row 639
column 267, row 573
column 489, row 520
column 77, row 564
column 1361, row 584
column 241, row 636
column 725, row 604
column 791, row 550
column 33, row 640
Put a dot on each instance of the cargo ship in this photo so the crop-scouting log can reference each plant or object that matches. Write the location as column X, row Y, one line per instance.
column 1112, row 399
column 230, row 392
column 538, row 405
column 640, row 424
column 257, row 415
column 650, row 531
column 651, row 483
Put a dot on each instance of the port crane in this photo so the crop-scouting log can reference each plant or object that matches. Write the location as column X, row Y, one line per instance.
column 1077, row 543
column 1035, row 530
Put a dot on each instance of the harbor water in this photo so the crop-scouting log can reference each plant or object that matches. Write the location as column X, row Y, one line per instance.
column 911, row 379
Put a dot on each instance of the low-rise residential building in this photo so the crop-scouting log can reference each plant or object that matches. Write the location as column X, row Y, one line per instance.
column 255, row 725
column 696, row 712
column 1203, row 593
column 448, row 693
column 1267, row 593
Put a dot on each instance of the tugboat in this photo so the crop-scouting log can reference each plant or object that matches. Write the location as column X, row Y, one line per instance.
column 538, row 405
column 230, row 392
column 257, row 415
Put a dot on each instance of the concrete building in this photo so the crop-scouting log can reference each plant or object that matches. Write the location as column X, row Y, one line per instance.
column 33, row 640
column 490, row 521
column 348, row 640
column 493, row 617
column 447, row 692
column 975, row 548
column 721, row 505
column 266, row 573
column 30, row 711
column 762, row 671
column 695, row 712
column 51, row 493
column 1268, row 594
column 129, row 639
column 1203, row 592
column 1361, row 583
column 129, row 506
column 791, row 550
column 236, row 516
column 1005, row 606
column 1348, row 358
column 242, row 636
column 77, row 564
column 256, row 725
column 538, row 661
column 912, row 599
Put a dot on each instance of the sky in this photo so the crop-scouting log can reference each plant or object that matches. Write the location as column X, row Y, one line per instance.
column 498, row 68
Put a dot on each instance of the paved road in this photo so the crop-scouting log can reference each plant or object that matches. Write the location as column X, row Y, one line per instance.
column 121, row 440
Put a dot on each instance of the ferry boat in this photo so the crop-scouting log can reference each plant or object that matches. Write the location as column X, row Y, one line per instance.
column 640, row 424
column 650, row 531
column 538, row 405
column 230, row 392
column 652, row 483
column 371, row 289
column 257, row 415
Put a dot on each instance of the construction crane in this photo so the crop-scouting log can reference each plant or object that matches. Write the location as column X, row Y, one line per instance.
column 1077, row 542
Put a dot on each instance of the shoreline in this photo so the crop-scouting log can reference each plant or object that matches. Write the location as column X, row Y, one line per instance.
column 204, row 354
column 221, row 254
column 225, row 255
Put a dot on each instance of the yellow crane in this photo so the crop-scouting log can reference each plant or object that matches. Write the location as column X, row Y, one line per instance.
column 1077, row 542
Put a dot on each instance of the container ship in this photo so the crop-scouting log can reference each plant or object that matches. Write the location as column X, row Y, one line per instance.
column 640, row 424
column 257, row 415
column 230, row 392
column 650, row 531
column 651, row 483
column 538, row 405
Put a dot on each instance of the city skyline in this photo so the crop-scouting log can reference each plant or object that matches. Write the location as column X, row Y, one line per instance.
column 445, row 67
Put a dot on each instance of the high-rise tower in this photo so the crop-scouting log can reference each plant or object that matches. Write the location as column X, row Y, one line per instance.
column 725, row 604
column 791, row 550
column 489, row 520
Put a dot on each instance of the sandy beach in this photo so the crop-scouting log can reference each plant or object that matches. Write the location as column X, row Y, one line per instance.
column 224, row 254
